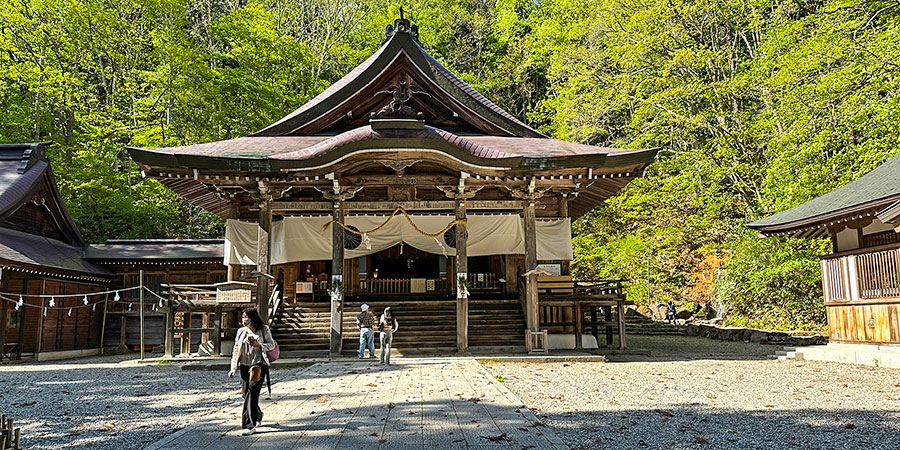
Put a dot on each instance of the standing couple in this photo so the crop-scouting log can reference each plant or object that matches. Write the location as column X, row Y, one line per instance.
column 387, row 326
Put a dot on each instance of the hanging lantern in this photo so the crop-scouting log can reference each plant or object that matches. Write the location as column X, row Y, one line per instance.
column 52, row 302
column 85, row 300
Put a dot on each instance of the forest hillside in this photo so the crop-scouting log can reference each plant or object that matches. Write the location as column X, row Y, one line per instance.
column 759, row 105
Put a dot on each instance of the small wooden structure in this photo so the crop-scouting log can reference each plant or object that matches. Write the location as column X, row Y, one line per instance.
column 563, row 303
column 861, row 277
column 399, row 131
column 163, row 262
column 218, row 308
column 9, row 434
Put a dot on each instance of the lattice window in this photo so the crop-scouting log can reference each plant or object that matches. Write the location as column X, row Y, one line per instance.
column 35, row 219
column 883, row 238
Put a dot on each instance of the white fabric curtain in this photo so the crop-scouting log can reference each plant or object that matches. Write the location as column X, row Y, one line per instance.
column 304, row 239
column 241, row 242
column 554, row 239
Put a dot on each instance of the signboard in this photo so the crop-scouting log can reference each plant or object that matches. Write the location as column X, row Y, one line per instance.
column 430, row 285
column 554, row 269
column 417, row 285
column 305, row 287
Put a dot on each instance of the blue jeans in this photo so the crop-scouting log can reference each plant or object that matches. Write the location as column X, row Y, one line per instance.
column 366, row 340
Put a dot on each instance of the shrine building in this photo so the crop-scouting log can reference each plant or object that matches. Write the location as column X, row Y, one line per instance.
column 388, row 188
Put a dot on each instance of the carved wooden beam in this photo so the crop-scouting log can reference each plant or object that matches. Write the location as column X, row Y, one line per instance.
column 447, row 205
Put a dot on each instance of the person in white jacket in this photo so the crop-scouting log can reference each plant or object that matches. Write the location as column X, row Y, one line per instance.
column 252, row 342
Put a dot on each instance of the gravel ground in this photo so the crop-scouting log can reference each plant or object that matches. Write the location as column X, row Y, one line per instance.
column 700, row 393
column 110, row 401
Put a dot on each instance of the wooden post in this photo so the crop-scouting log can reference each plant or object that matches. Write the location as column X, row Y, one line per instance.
column 620, row 310
column 594, row 324
column 530, row 236
column 122, row 331
column 103, row 325
column 3, row 320
column 217, row 338
column 22, row 321
column 186, row 324
column 531, row 292
column 462, row 270
column 170, row 330
column 141, row 311
column 262, row 259
column 578, row 344
column 607, row 316
column 40, row 336
column 336, row 342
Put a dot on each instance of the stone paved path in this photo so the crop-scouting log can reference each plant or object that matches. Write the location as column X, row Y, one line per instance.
column 415, row 404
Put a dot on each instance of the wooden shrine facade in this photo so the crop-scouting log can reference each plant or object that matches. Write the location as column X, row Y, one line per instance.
column 43, row 277
column 399, row 134
column 861, row 277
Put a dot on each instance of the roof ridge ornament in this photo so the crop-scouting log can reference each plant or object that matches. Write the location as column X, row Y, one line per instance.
column 397, row 110
column 401, row 25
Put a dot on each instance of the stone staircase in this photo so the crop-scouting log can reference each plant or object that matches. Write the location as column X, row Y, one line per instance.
column 637, row 324
column 429, row 326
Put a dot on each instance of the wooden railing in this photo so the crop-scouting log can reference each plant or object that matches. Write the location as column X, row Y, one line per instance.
column 485, row 282
column 387, row 286
column 868, row 274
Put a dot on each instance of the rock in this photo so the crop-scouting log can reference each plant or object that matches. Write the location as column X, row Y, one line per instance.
column 684, row 314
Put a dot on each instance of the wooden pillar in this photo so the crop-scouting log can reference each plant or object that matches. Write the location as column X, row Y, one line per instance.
column 620, row 312
column 262, row 259
column 531, row 294
column 186, row 334
column 3, row 319
column 40, row 330
column 578, row 344
column 462, row 270
column 337, row 275
column 607, row 316
column 22, row 314
column 530, row 236
column 217, row 338
column 170, row 330
column 124, row 323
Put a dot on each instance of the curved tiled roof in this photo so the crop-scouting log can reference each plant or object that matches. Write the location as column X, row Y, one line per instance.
column 874, row 191
column 279, row 152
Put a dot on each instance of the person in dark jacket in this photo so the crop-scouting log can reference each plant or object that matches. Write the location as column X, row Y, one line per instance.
column 670, row 312
column 252, row 342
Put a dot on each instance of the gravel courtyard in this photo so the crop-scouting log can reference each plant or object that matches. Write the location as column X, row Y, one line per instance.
column 700, row 393
column 109, row 402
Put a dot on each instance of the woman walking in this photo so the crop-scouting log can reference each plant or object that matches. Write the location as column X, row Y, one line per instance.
column 388, row 326
column 252, row 342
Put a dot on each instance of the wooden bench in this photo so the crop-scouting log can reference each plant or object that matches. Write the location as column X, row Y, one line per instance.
column 562, row 302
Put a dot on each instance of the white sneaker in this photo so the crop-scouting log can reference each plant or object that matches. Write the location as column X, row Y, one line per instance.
column 248, row 431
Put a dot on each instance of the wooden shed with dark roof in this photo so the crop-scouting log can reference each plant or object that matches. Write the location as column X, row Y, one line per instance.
column 41, row 253
column 861, row 277
column 398, row 131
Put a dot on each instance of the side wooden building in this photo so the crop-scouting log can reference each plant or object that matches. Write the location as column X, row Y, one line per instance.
column 861, row 277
